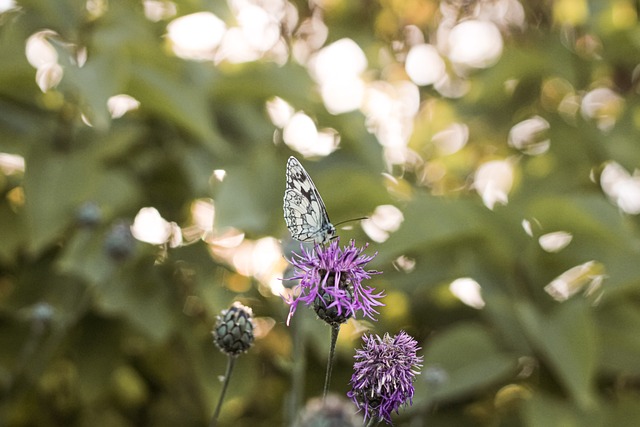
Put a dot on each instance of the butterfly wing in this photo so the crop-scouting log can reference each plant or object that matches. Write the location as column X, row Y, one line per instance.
column 304, row 211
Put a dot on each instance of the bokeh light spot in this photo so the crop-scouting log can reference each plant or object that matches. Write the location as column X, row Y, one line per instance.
column 6, row 5
column 602, row 105
column 555, row 242
column 280, row 112
column 300, row 132
column 342, row 95
column 150, row 227
column 528, row 136
column 340, row 59
column 157, row 10
column 493, row 181
column 196, row 36
column 621, row 187
column 11, row 163
column 588, row 276
column 424, row 65
column 468, row 292
column 119, row 105
column 476, row 44
column 452, row 139
column 385, row 220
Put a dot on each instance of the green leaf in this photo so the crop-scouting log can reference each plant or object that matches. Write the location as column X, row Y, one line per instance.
column 543, row 410
column 57, row 183
column 452, row 238
column 64, row 18
column 290, row 82
column 54, row 183
column 166, row 93
column 85, row 257
column 470, row 361
column 618, row 326
column 624, row 411
column 248, row 198
column 434, row 221
column 13, row 231
column 567, row 340
column 600, row 233
column 96, row 81
column 94, row 354
column 140, row 294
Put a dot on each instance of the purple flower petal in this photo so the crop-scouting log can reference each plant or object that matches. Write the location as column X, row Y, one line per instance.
column 383, row 374
column 314, row 267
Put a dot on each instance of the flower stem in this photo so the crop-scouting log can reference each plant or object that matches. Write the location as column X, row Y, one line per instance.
column 298, row 371
column 335, row 329
column 230, row 362
column 374, row 421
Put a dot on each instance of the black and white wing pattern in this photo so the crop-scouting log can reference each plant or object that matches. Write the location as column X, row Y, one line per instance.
column 304, row 211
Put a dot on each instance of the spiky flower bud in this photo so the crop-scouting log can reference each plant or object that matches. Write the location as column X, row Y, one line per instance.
column 325, row 305
column 88, row 215
column 334, row 411
column 119, row 242
column 233, row 333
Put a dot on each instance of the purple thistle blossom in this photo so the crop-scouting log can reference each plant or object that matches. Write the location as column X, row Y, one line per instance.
column 383, row 374
column 331, row 279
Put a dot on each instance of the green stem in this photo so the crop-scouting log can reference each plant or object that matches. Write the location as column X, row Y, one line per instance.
column 230, row 362
column 298, row 371
column 335, row 329
column 373, row 422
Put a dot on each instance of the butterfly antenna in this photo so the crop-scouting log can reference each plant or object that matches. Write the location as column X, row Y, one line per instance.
column 350, row 220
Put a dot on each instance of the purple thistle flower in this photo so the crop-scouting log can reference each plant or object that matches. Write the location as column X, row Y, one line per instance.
column 331, row 279
column 383, row 374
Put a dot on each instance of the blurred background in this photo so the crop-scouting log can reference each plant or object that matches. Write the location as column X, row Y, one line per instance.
column 493, row 145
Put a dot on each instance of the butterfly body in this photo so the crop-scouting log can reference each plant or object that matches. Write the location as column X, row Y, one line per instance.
column 304, row 211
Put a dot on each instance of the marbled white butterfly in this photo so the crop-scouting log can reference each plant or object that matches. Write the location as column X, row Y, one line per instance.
column 304, row 211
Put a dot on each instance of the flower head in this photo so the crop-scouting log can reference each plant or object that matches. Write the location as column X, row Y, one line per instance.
column 331, row 279
column 332, row 411
column 383, row 374
column 233, row 333
column 119, row 242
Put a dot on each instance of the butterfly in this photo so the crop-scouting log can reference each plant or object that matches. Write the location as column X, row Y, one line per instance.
column 304, row 211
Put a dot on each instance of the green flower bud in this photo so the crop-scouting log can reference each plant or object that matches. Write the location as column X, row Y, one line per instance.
column 233, row 333
column 334, row 411
column 336, row 314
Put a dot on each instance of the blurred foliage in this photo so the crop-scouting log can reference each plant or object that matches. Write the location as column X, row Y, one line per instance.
column 99, row 329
